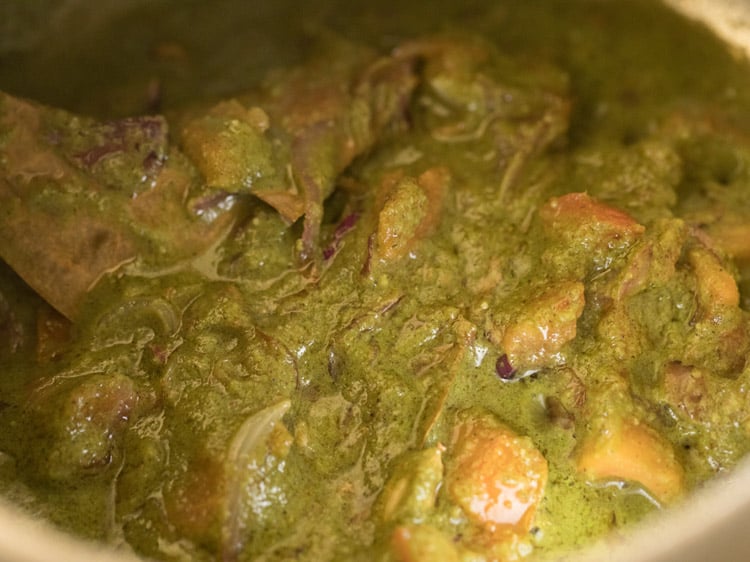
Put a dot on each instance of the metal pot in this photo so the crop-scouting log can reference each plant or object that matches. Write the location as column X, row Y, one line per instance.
column 710, row 526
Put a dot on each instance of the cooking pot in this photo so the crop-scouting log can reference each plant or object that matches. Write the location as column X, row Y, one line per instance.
column 710, row 526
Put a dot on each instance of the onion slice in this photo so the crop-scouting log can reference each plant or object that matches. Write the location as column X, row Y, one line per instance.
column 246, row 445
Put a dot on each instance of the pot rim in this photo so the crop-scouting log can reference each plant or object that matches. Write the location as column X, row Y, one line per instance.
column 710, row 524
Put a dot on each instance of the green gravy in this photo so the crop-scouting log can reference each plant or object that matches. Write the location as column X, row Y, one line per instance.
column 387, row 281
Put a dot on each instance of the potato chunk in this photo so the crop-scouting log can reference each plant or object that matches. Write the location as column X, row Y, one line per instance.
column 411, row 210
column 496, row 476
column 399, row 220
column 229, row 146
column 592, row 220
column 716, row 286
column 586, row 235
column 543, row 327
column 628, row 450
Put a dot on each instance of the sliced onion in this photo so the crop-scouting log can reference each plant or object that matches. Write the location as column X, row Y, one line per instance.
column 246, row 444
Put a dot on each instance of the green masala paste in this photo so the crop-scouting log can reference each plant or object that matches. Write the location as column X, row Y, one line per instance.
column 390, row 281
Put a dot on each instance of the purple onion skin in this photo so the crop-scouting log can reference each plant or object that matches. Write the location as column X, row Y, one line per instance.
column 343, row 227
column 346, row 225
column 504, row 369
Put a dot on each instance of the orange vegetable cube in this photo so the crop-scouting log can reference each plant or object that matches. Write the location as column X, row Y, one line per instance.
column 496, row 476
column 537, row 336
column 716, row 286
column 628, row 450
column 579, row 211
column 586, row 235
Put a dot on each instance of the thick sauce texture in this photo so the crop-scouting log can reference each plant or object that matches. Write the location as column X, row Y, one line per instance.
column 372, row 282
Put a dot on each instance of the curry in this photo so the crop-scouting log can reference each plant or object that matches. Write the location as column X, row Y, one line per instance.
column 427, row 283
